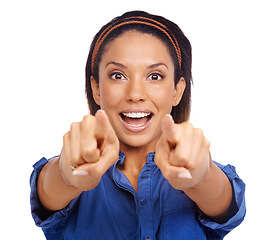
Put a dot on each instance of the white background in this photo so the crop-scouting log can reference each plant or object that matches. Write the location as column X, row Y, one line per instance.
column 43, row 50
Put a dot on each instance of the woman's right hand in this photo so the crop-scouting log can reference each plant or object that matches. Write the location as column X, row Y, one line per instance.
column 89, row 149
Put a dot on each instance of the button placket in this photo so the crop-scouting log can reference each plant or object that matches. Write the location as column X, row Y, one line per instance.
column 145, row 207
column 143, row 201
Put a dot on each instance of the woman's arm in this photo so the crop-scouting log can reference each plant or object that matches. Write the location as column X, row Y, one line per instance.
column 214, row 195
column 54, row 193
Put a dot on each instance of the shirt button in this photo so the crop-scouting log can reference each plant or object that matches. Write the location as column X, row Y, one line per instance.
column 143, row 201
column 148, row 237
column 145, row 176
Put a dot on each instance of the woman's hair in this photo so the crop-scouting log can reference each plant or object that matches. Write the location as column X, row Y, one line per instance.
column 167, row 31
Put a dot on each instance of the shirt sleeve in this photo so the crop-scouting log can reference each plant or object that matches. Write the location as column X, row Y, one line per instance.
column 56, row 219
column 215, row 230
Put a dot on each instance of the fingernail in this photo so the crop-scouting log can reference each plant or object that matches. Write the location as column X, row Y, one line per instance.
column 185, row 175
column 169, row 115
column 101, row 110
column 80, row 173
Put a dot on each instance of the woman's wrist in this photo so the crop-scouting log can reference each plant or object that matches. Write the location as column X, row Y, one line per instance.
column 213, row 196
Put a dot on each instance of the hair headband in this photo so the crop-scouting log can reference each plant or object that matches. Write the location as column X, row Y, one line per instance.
column 158, row 26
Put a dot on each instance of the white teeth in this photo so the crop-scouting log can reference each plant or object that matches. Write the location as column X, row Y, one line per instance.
column 136, row 114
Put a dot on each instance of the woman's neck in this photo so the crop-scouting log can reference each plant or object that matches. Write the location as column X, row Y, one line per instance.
column 135, row 159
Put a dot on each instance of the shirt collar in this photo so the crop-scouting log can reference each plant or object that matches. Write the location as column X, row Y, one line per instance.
column 150, row 158
column 121, row 158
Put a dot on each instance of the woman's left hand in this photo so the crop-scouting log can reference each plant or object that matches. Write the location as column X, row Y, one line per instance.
column 182, row 154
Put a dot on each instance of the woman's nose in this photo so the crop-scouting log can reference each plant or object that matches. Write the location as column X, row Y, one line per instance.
column 136, row 90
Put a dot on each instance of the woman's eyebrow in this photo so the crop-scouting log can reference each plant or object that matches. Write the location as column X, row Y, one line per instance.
column 116, row 64
column 157, row 65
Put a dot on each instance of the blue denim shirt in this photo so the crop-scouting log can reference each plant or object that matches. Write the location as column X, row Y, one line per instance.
column 113, row 210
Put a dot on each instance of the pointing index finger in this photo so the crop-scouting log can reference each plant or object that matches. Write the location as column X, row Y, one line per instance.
column 101, row 124
column 103, row 128
column 168, row 129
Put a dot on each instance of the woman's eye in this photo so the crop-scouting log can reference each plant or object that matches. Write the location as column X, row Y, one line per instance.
column 117, row 76
column 156, row 77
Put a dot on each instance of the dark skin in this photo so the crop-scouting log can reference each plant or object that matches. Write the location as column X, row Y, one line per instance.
column 136, row 77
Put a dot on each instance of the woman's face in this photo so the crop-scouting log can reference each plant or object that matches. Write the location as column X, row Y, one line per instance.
column 136, row 87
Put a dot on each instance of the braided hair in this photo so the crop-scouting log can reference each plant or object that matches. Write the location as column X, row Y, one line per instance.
column 167, row 31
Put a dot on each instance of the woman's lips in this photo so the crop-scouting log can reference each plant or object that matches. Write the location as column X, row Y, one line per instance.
column 136, row 121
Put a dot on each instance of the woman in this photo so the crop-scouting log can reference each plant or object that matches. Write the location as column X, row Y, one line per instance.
column 135, row 168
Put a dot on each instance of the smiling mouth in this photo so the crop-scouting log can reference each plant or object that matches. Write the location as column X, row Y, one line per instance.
column 136, row 121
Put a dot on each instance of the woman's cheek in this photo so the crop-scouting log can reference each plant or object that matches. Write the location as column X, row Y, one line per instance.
column 110, row 95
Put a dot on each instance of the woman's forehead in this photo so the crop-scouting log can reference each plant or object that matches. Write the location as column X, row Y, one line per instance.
column 134, row 44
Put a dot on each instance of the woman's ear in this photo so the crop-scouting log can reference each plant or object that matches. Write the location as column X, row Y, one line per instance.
column 95, row 90
column 178, row 92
